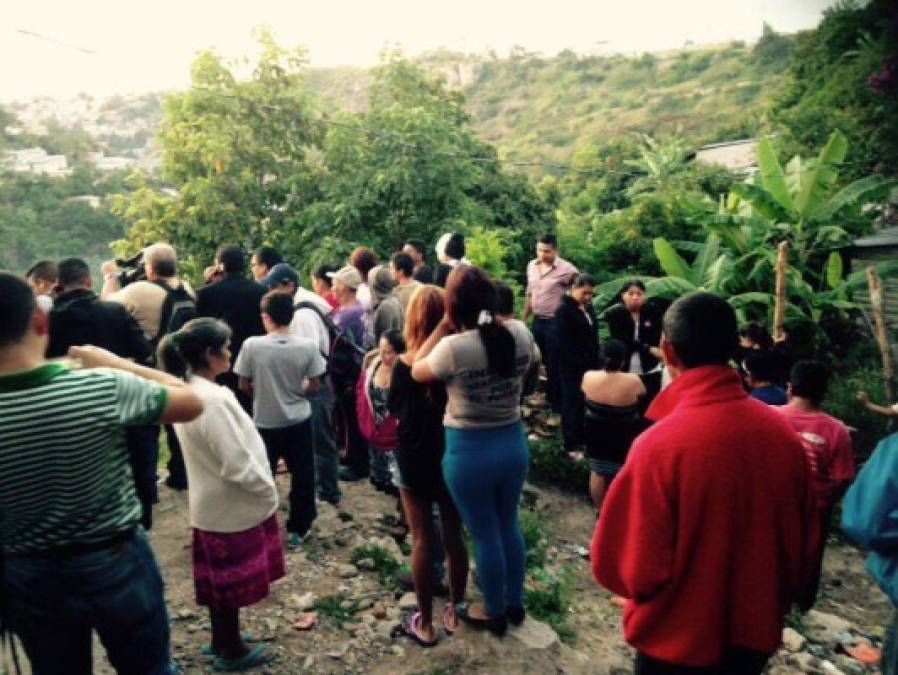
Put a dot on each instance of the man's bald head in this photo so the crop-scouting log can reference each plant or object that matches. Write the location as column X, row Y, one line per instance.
column 161, row 261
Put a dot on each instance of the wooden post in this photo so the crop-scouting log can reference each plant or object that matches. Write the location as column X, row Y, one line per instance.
column 876, row 304
column 779, row 307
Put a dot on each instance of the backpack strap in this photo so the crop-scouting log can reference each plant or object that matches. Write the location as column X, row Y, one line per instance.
column 334, row 330
column 163, row 319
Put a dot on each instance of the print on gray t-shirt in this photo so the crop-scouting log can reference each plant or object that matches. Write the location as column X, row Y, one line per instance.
column 279, row 365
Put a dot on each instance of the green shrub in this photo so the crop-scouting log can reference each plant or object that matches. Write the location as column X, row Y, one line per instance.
column 549, row 463
column 841, row 401
column 547, row 596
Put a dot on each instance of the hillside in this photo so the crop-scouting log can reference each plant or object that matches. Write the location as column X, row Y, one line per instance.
column 533, row 108
column 541, row 109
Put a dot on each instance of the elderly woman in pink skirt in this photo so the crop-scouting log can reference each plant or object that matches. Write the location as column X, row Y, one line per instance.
column 236, row 544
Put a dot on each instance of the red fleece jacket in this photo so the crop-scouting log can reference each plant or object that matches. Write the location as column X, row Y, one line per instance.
column 705, row 529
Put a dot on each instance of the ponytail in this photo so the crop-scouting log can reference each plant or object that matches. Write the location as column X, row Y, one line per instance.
column 185, row 351
column 170, row 358
column 500, row 348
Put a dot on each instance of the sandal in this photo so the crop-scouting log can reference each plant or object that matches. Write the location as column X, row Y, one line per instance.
column 206, row 650
column 449, row 610
column 253, row 659
column 411, row 626
column 497, row 625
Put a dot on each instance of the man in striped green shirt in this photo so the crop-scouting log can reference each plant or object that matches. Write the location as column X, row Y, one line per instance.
column 76, row 559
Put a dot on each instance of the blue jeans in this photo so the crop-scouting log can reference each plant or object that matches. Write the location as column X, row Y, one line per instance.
column 484, row 471
column 324, row 437
column 55, row 602
column 546, row 337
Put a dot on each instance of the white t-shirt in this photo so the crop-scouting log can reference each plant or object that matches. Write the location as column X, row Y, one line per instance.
column 479, row 399
column 231, row 487
column 306, row 321
column 279, row 365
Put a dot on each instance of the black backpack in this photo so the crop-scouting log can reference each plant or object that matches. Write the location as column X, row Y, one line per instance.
column 178, row 308
column 345, row 359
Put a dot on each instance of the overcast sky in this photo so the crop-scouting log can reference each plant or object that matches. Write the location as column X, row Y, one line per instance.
column 148, row 46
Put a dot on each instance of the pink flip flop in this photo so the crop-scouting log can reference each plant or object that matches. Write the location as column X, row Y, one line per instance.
column 411, row 626
column 446, row 612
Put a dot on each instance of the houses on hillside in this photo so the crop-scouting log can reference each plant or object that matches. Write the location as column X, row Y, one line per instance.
column 37, row 160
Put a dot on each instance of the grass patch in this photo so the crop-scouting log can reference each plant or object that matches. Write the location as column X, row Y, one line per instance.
column 547, row 592
column 535, row 539
column 385, row 564
column 332, row 607
column 548, row 596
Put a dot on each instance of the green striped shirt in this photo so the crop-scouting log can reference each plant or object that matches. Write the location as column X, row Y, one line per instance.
column 64, row 471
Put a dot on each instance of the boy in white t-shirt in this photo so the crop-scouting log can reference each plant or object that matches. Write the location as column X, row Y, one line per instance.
column 280, row 371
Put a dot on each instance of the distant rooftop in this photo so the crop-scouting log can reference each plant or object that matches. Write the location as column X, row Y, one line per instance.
column 887, row 236
column 735, row 155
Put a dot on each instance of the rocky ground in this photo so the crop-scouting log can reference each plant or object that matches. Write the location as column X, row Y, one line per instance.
column 356, row 612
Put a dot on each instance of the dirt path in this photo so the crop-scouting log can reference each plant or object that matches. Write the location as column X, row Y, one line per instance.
column 362, row 643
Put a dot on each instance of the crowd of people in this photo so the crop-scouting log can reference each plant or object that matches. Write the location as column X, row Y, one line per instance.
column 714, row 471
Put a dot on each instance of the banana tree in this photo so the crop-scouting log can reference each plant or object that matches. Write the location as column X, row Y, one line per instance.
column 800, row 204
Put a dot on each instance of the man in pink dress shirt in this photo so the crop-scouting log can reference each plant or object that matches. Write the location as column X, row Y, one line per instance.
column 548, row 278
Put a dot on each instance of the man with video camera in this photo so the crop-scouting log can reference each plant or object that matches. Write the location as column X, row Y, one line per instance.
column 161, row 302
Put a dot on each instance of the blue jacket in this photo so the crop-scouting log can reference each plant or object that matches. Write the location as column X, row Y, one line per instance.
column 870, row 514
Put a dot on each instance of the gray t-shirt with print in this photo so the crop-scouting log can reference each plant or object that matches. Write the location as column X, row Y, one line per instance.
column 479, row 399
column 279, row 364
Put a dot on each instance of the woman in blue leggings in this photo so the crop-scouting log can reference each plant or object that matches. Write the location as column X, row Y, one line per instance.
column 482, row 361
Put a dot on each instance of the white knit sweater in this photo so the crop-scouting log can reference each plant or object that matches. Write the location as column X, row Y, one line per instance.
column 231, row 487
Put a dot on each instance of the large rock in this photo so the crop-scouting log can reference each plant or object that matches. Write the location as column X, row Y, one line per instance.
column 830, row 622
column 793, row 640
column 408, row 601
column 533, row 634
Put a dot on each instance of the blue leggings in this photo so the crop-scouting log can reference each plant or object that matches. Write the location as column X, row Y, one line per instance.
column 484, row 470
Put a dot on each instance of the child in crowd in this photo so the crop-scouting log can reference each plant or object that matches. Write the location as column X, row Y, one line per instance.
column 280, row 371
column 760, row 374
column 375, row 420
column 828, row 447
column 232, row 499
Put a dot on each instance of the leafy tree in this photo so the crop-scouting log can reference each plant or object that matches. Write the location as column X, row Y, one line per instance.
column 830, row 87
column 239, row 154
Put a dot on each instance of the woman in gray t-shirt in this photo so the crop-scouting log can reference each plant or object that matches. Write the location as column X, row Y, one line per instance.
column 483, row 366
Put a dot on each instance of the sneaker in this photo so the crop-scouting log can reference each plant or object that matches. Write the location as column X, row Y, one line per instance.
column 294, row 542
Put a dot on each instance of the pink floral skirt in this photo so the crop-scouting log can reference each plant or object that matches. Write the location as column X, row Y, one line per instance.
column 235, row 569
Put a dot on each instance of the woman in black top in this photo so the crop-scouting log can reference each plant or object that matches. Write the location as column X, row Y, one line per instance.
column 419, row 409
column 578, row 339
column 638, row 327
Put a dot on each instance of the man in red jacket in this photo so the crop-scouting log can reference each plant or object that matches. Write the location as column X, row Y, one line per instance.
column 705, row 529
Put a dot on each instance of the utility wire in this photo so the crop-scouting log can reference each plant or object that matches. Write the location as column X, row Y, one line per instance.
column 47, row 38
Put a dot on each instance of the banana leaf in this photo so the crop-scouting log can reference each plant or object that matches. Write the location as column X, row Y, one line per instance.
column 772, row 177
column 671, row 261
column 857, row 192
column 821, row 176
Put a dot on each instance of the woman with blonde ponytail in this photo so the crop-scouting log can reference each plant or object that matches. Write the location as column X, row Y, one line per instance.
column 232, row 498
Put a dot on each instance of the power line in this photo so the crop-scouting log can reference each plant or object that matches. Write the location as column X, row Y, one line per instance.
column 47, row 38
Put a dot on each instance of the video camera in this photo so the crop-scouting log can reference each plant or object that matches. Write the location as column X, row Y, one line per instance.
column 132, row 269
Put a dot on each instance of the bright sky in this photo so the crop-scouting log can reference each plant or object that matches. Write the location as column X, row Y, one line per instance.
column 148, row 46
